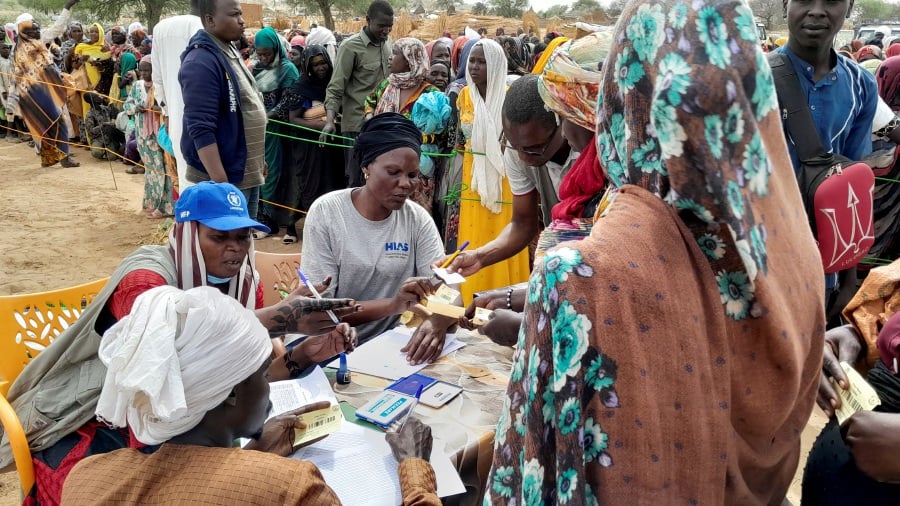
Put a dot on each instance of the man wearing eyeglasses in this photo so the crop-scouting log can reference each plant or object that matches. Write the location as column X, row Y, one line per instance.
column 536, row 156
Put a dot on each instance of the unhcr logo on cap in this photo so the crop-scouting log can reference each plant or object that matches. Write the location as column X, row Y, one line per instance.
column 235, row 200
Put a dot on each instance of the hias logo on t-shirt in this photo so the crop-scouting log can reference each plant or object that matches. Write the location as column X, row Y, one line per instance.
column 396, row 246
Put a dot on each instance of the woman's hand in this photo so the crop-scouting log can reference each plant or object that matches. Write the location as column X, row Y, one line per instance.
column 278, row 433
column 842, row 344
column 496, row 299
column 411, row 292
column 304, row 315
column 318, row 348
column 503, row 327
column 427, row 342
column 466, row 263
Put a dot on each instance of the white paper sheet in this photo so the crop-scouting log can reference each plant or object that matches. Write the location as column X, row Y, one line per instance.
column 382, row 356
column 292, row 394
column 358, row 465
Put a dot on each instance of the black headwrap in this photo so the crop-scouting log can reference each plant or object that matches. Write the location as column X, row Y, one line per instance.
column 309, row 86
column 386, row 132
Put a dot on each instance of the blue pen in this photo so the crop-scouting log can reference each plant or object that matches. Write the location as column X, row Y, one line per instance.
column 415, row 402
column 308, row 283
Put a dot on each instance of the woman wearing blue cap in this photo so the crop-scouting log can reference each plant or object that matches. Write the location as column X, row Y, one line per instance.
column 209, row 245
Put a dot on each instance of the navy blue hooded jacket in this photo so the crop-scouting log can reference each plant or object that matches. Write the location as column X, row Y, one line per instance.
column 212, row 107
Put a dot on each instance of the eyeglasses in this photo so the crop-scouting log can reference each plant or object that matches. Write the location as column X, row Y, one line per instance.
column 506, row 145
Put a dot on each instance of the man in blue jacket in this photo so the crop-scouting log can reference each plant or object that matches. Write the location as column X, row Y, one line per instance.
column 224, row 115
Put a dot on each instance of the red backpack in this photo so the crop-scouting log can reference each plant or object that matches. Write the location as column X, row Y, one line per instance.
column 837, row 192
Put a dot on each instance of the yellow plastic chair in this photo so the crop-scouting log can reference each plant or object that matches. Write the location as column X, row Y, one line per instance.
column 277, row 274
column 28, row 324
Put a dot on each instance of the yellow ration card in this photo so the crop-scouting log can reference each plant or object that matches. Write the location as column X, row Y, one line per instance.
column 860, row 397
column 318, row 423
column 441, row 302
column 482, row 316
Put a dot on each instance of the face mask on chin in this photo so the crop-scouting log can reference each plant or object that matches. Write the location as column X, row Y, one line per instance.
column 215, row 280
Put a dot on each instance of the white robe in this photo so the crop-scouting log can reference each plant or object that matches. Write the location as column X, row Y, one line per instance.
column 170, row 39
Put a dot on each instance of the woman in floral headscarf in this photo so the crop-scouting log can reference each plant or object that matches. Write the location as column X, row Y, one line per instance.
column 673, row 356
column 400, row 92
column 570, row 85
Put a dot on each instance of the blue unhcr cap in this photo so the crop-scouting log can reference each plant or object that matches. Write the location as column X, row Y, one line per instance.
column 220, row 206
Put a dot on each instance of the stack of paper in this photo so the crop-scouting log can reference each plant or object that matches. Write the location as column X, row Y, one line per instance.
column 295, row 393
column 382, row 356
column 358, row 465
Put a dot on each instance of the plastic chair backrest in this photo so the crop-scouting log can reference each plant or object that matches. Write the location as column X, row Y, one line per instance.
column 30, row 322
column 277, row 273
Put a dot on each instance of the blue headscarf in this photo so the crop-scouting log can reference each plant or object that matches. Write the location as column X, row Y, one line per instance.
column 281, row 73
column 464, row 61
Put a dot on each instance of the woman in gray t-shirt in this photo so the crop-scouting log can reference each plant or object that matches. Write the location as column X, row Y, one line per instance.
column 375, row 243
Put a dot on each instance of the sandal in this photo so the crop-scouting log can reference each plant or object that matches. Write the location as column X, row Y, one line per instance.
column 68, row 162
column 259, row 234
column 288, row 239
column 134, row 169
column 156, row 214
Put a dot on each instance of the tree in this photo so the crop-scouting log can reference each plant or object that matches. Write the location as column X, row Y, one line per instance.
column 767, row 10
column 327, row 8
column 583, row 7
column 480, row 9
column 509, row 8
column 557, row 11
column 448, row 6
column 148, row 11
column 873, row 11
column 615, row 7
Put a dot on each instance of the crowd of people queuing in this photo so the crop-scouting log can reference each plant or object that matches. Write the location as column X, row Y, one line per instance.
column 678, row 325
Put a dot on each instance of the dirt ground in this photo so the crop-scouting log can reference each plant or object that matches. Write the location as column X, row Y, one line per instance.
column 62, row 227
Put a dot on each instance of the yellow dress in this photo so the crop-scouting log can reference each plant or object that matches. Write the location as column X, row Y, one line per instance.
column 478, row 225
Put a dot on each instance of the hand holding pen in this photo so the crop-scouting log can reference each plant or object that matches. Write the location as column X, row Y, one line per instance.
column 397, row 426
column 463, row 262
column 316, row 295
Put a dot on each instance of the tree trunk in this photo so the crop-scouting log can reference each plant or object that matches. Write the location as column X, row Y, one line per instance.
column 152, row 13
column 325, row 7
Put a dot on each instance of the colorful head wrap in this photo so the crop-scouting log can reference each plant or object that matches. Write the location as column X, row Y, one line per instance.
column 571, row 79
column 868, row 52
column 414, row 52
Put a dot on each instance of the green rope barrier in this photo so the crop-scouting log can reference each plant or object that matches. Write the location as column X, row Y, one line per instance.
column 314, row 141
column 454, row 194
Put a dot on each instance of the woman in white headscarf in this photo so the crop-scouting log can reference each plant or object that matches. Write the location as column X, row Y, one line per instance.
column 323, row 37
column 187, row 373
column 485, row 206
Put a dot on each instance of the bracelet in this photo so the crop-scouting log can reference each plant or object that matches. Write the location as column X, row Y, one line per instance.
column 509, row 299
column 885, row 131
column 293, row 368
